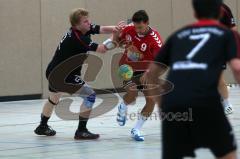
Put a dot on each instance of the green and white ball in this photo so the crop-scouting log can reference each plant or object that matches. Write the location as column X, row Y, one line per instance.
column 125, row 72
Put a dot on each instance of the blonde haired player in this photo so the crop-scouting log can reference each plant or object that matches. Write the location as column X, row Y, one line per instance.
column 142, row 43
column 77, row 41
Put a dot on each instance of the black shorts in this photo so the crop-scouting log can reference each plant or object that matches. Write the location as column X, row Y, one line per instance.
column 72, row 80
column 205, row 127
column 135, row 79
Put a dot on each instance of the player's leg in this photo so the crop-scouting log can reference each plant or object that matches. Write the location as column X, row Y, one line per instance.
column 223, row 90
column 128, row 98
column 89, row 97
column 143, row 116
column 43, row 128
column 131, row 95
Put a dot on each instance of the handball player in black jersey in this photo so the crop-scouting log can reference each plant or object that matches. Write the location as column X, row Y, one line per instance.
column 77, row 41
column 195, row 55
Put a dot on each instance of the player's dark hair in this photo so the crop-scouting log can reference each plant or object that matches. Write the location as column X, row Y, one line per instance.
column 207, row 8
column 140, row 16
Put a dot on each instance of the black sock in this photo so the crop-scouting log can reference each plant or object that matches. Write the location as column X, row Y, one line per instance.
column 82, row 126
column 44, row 120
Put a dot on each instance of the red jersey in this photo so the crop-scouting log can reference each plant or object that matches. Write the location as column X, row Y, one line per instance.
column 139, row 49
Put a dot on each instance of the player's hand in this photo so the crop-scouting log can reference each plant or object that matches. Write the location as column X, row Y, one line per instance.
column 120, row 26
column 101, row 48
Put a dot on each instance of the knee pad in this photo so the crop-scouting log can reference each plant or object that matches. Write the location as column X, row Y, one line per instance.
column 89, row 100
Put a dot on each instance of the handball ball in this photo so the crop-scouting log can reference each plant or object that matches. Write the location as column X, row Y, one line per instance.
column 125, row 72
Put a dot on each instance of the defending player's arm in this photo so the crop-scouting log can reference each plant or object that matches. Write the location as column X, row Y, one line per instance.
column 97, row 29
column 159, row 66
column 163, row 55
column 233, row 56
column 156, row 69
column 112, row 29
column 107, row 45
column 156, row 45
column 102, row 48
column 112, row 42
column 92, row 46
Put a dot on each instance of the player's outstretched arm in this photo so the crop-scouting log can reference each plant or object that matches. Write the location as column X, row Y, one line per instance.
column 107, row 29
column 112, row 29
column 152, row 74
column 235, row 66
column 106, row 46
column 110, row 43
column 150, row 80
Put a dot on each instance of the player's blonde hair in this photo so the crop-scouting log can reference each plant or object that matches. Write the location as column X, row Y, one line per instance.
column 76, row 15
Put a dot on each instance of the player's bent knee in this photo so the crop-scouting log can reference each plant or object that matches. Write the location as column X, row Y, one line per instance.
column 89, row 101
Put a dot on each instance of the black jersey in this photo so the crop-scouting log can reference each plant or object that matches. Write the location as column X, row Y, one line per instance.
column 227, row 18
column 195, row 55
column 73, row 43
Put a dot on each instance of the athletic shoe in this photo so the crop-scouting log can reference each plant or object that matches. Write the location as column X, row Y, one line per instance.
column 45, row 130
column 136, row 135
column 85, row 135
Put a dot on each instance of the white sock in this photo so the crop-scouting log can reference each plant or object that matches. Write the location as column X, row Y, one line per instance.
column 123, row 107
column 140, row 122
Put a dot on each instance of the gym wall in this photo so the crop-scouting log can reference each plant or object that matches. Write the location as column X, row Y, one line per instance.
column 30, row 31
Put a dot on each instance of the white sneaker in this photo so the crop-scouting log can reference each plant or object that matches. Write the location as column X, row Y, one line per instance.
column 136, row 135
